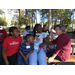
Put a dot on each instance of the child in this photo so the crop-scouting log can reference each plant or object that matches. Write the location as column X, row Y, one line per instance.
column 26, row 49
column 10, row 46
column 38, row 54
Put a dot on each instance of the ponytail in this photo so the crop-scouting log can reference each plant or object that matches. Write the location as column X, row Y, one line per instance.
column 34, row 30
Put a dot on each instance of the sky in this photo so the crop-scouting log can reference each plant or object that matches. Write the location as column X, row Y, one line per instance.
column 9, row 16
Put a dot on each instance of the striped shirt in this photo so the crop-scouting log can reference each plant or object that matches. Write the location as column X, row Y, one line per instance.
column 26, row 48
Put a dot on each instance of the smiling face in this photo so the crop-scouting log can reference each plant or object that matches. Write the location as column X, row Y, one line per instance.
column 58, row 31
column 39, row 29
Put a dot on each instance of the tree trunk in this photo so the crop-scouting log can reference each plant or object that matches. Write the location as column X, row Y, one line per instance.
column 26, row 16
column 49, row 20
column 19, row 19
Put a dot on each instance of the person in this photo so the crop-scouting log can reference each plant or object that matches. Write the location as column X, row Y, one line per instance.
column 25, row 50
column 53, row 32
column 63, row 43
column 45, row 29
column 38, row 54
column 10, row 46
column 27, row 31
column 3, row 35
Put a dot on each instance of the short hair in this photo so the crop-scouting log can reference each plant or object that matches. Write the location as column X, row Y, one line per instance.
column 28, row 36
column 44, row 25
column 61, row 27
column 27, row 27
column 11, row 29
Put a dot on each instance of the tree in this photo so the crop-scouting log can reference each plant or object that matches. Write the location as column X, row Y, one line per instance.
column 49, row 20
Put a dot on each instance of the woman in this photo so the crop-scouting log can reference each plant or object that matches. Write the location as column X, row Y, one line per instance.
column 63, row 42
column 38, row 54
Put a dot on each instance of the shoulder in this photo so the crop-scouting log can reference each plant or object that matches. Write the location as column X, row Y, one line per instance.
column 8, row 38
column 64, row 35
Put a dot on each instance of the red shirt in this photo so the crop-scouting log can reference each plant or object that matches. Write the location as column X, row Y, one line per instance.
column 3, row 34
column 12, row 45
column 63, row 46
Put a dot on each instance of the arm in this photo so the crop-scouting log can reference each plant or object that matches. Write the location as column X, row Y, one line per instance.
column 27, row 56
column 21, row 53
column 5, row 56
column 52, row 58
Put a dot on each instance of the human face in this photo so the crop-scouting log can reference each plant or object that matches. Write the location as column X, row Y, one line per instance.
column 31, row 39
column 45, row 28
column 39, row 29
column 58, row 31
column 15, row 33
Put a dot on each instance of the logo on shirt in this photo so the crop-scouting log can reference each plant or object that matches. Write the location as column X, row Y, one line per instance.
column 14, row 43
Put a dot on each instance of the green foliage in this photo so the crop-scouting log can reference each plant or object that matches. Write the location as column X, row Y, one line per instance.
column 2, row 21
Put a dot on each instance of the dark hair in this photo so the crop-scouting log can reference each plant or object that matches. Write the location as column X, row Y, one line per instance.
column 44, row 25
column 28, row 36
column 11, row 29
column 61, row 27
column 27, row 27
column 34, row 30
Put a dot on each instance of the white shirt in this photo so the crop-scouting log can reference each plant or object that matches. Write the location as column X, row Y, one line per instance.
column 25, row 33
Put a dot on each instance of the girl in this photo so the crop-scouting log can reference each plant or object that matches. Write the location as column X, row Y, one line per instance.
column 38, row 54
column 10, row 46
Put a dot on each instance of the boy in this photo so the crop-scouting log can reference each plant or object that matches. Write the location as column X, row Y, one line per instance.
column 26, row 49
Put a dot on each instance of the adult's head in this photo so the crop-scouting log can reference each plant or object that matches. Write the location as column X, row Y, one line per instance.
column 37, row 29
column 59, row 29
column 27, row 27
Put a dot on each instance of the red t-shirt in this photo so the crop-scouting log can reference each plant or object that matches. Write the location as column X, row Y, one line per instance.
column 3, row 34
column 12, row 45
column 63, row 46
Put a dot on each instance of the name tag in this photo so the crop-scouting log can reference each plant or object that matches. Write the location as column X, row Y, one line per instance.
column 27, row 47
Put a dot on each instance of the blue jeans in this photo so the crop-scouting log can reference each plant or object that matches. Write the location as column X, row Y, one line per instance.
column 21, row 60
column 49, row 54
column 37, row 56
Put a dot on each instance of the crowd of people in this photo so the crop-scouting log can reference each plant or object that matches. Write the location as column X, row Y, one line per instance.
column 38, row 43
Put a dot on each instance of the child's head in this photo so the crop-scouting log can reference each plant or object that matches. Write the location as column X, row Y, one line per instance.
column 27, row 27
column 13, row 31
column 37, row 29
column 29, row 38
column 45, row 27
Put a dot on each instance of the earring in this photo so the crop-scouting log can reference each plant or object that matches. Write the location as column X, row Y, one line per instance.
column 36, row 31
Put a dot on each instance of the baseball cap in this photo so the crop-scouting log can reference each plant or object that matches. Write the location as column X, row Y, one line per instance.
column 53, row 31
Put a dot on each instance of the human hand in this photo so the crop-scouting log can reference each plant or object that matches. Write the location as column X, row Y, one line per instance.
column 27, row 56
column 41, row 45
column 51, row 34
column 24, row 58
column 50, row 59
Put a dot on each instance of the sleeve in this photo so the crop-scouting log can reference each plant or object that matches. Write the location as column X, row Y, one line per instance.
column 20, row 39
column 32, row 47
column 60, row 44
column 21, row 48
column 5, row 42
column 55, row 41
